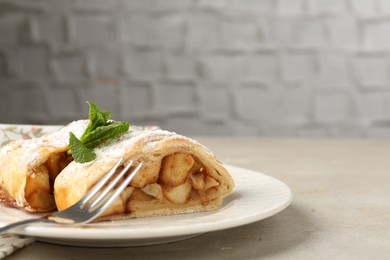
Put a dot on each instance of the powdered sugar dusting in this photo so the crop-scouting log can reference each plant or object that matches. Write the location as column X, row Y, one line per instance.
column 30, row 148
column 61, row 137
column 117, row 147
column 147, row 139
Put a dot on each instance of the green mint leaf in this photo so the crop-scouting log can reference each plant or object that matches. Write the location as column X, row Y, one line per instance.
column 99, row 129
column 97, row 118
column 106, row 132
column 80, row 152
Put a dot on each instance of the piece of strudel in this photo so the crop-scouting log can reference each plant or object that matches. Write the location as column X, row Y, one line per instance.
column 29, row 167
column 179, row 175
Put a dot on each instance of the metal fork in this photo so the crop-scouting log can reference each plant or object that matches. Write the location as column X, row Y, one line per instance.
column 87, row 208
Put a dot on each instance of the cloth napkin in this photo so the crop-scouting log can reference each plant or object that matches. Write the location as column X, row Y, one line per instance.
column 10, row 243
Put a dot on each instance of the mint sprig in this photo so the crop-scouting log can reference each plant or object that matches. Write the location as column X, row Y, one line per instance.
column 100, row 128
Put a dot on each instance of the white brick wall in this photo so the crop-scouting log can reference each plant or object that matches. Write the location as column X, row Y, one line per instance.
column 256, row 67
column 372, row 71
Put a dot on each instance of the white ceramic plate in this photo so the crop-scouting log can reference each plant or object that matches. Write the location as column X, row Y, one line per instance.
column 255, row 197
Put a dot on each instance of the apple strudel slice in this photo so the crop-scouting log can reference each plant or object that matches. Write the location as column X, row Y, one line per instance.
column 179, row 175
column 29, row 167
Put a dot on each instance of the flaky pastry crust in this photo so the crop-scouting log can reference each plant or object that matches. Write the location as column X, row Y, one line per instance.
column 156, row 190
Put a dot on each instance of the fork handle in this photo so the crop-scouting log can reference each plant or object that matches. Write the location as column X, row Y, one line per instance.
column 22, row 223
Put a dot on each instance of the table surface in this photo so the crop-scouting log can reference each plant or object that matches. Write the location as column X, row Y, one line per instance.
column 340, row 210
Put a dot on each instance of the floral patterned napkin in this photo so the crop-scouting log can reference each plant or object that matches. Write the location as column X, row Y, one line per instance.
column 10, row 243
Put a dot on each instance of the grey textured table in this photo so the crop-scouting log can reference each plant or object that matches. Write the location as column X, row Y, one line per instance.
column 341, row 206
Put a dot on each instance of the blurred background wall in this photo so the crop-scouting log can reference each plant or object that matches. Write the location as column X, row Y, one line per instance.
column 234, row 67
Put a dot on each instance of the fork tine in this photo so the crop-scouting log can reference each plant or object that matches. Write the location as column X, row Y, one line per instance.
column 99, row 184
column 117, row 191
column 109, row 187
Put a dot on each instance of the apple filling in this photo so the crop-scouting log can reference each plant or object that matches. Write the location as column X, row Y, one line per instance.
column 39, row 184
column 178, row 180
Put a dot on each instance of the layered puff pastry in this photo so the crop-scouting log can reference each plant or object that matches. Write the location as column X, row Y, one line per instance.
column 179, row 175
